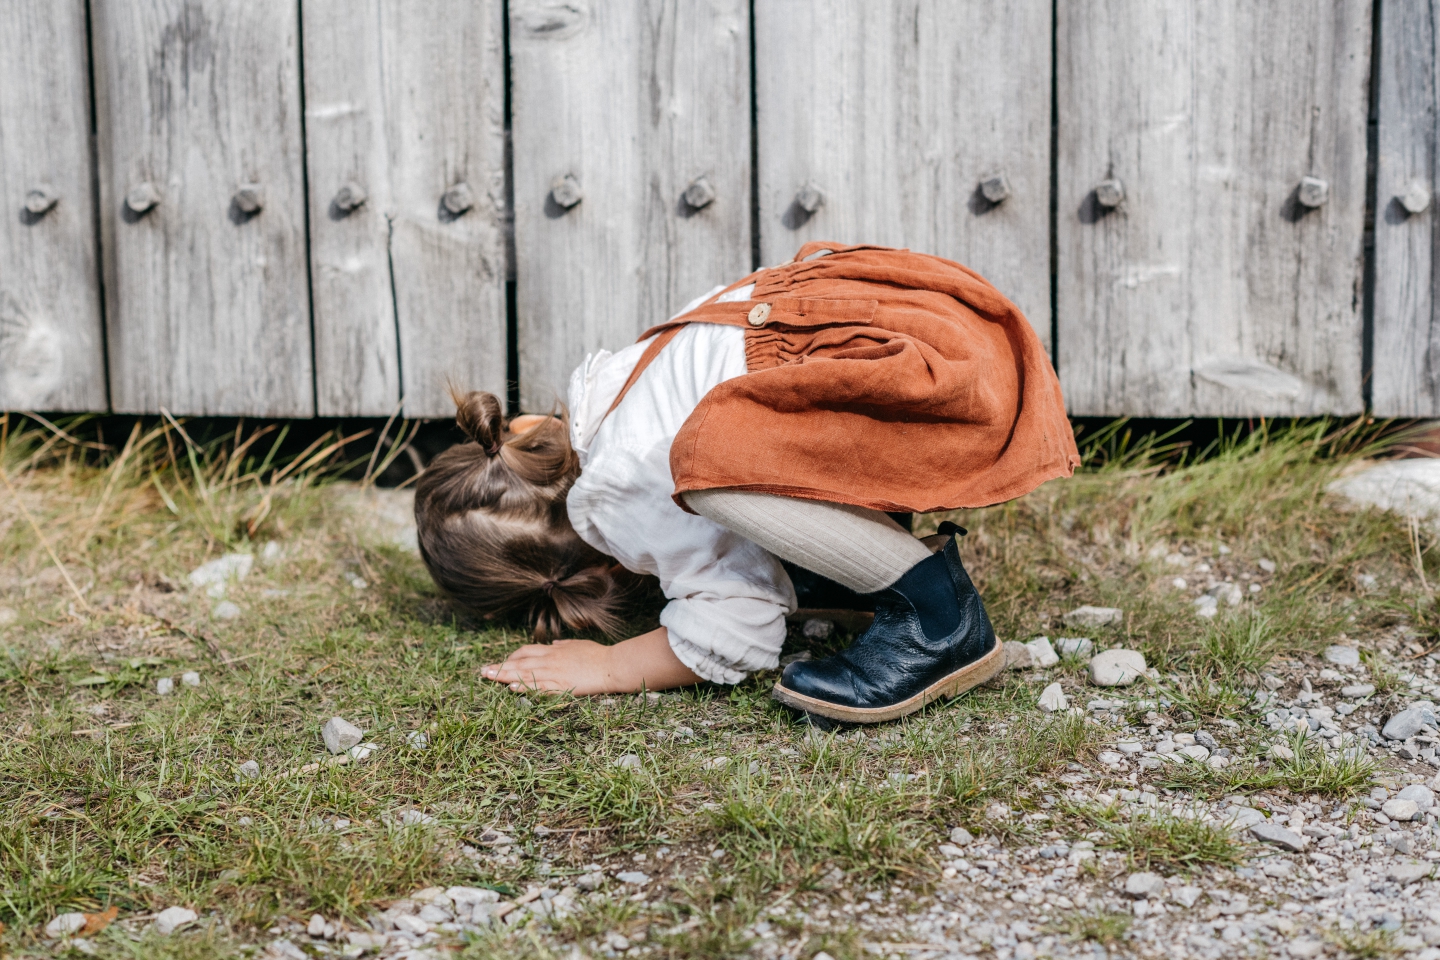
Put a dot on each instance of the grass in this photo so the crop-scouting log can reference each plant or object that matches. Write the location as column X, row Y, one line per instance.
column 1164, row 842
column 1105, row 927
column 113, row 795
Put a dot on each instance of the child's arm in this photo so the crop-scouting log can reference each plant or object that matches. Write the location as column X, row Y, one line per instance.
column 584, row 667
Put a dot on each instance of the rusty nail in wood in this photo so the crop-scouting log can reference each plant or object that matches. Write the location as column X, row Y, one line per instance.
column 250, row 198
column 565, row 190
column 700, row 194
column 142, row 198
column 995, row 188
column 1109, row 193
column 458, row 198
column 350, row 196
column 41, row 199
column 1313, row 192
column 1416, row 198
column 810, row 197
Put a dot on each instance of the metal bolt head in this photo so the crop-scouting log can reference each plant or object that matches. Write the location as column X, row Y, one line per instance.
column 1109, row 193
column 1416, row 198
column 1313, row 192
column 350, row 196
column 811, row 197
column 565, row 191
column 458, row 198
column 142, row 198
column 41, row 199
column 995, row 188
column 700, row 194
column 249, row 198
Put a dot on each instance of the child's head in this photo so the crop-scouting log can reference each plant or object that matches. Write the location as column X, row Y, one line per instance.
column 493, row 528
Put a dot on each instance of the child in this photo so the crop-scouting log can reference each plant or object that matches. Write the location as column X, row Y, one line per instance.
column 775, row 419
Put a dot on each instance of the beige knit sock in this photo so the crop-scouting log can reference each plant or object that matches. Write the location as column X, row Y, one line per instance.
column 863, row 549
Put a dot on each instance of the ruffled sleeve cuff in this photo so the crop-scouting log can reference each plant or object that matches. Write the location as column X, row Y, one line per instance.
column 719, row 646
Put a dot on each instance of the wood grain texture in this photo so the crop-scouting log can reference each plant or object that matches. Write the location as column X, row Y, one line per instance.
column 357, row 353
column 897, row 110
column 51, row 349
column 443, row 81
column 1406, row 378
column 635, row 101
column 208, row 308
column 1209, row 290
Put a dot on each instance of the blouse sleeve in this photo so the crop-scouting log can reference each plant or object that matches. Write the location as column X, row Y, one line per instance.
column 728, row 597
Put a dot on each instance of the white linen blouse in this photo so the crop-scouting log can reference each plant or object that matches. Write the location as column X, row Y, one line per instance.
column 728, row 597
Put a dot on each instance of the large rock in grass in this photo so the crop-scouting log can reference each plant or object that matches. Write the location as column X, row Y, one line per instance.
column 1117, row 668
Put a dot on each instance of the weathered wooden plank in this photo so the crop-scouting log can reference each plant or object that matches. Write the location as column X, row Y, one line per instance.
column 443, row 69
column 635, row 102
column 896, row 111
column 357, row 353
column 207, row 303
column 51, row 350
column 1406, row 378
column 1210, row 289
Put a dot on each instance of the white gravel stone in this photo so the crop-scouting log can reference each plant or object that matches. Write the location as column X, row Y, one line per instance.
column 716, row 763
column 64, row 925
column 170, row 919
column 1088, row 616
column 417, row 740
column 1397, row 809
column 961, row 837
column 1017, row 655
column 1053, row 699
column 1079, row 647
column 1357, row 691
column 1042, row 655
column 1344, row 656
column 190, row 678
column 225, row 610
column 1410, row 871
column 340, row 735
column 1195, row 752
column 316, row 926
column 1305, row 947
column 1273, row 833
column 1130, row 747
column 165, row 686
column 232, row 566
column 1186, row 896
column 628, row 762
column 250, row 769
column 1110, row 758
column 1144, row 886
column 590, row 881
column 1407, row 723
column 1267, row 565
column 1227, row 593
column 1206, row 606
column 1419, row 794
column 1117, row 668
column 633, row 877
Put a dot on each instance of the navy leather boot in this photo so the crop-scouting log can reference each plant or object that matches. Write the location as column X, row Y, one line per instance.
column 931, row 638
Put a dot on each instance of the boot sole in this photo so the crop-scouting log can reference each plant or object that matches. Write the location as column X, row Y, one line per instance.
column 967, row 677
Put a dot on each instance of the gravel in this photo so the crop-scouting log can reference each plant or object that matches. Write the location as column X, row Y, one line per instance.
column 1142, row 886
column 1273, row 833
column 1117, row 667
column 64, row 925
column 1408, row 722
column 1042, row 655
column 250, row 769
column 1053, row 699
column 340, row 735
column 1344, row 656
column 1088, row 616
column 170, row 919
column 1078, row 647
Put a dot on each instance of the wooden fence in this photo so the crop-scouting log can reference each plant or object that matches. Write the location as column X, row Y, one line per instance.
column 316, row 207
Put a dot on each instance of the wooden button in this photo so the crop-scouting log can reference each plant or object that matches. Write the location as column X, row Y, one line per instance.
column 759, row 314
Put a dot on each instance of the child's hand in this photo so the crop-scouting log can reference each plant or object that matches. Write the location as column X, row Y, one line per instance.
column 584, row 667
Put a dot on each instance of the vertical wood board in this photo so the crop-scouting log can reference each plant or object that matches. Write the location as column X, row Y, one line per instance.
column 896, row 110
column 1406, row 377
column 207, row 306
column 443, row 79
column 51, row 349
column 357, row 353
column 1210, row 290
column 634, row 101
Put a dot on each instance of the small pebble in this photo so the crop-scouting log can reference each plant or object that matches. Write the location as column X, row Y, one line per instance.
column 417, row 739
column 225, row 610
column 340, row 735
column 250, row 769
column 1088, row 616
column 1342, row 655
column 190, row 678
column 1398, row 809
column 818, row 629
column 1078, row 647
column 64, row 925
column 1117, row 667
column 1053, row 699
column 628, row 762
column 170, row 919
column 633, row 877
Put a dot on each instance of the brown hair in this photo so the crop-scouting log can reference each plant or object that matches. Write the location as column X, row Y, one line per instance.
column 494, row 532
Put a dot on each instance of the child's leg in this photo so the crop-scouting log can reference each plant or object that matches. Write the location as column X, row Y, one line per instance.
column 863, row 549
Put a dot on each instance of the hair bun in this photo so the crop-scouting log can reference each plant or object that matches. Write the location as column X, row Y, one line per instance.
column 479, row 414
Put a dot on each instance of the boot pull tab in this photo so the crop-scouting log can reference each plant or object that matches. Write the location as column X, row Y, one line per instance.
column 948, row 528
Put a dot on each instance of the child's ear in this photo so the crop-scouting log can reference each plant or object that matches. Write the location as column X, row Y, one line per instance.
column 528, row 421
